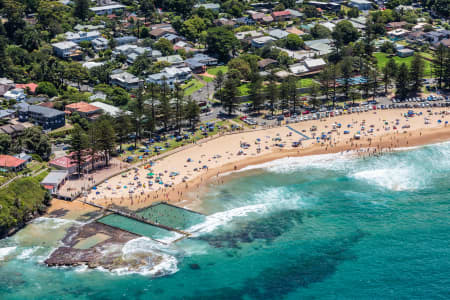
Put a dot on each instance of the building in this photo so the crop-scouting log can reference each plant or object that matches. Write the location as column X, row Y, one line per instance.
column 92, row 64
column 264, row 63
column 7, row 114
column 84, row 109
column 224, row 22
column 15, row 94
column 278, row 34
column 160, row 32
column 445, row 42
column 13, row 130
column 28, row 87
column 258, row 17
column 405, row 52
column 129, row 39
column 199, row 62
column 23, row 156
column 107, row 109
column 315, row 64
column 173, row 60
column 321, row 46
column 395, row 25
column 361, row 4
column 295, row 13
column 107, row 9
column 248, row 34
column 436, row 36
column 100, row 44
column 170, row 76
column 10, row 163
column 126, row 80
column 298, row 68
column 81, row 36
column 47, row 118
column 68, row 163
column 262, row 41
column 5, row 85
column 66, row 50
column 280, row 16
column 54, row 180
column 295, row 30
column 398, row 34
column 212, row 6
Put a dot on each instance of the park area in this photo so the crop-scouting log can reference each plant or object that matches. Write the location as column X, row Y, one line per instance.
column 383, row 58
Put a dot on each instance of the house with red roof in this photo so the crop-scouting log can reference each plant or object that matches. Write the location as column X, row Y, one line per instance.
column 11, row 164
column 280, row 16
column 69, row 163
column 31, row 87
column 84, row 109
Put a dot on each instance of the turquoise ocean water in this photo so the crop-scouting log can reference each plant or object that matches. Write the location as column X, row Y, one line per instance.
column 321, row 227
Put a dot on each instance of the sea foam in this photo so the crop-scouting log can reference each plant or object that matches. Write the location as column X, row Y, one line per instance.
column 4, row 252
column 142, row 246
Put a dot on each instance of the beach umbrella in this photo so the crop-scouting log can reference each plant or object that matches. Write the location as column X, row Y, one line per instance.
column 150, row 174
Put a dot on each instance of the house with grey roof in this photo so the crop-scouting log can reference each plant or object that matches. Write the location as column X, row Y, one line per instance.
column 5, row 85
column 262, row 41
column 321, row 46
column 47, row 118
column 126, row 80
column 99, row 44
column 129, row 39
column 361, row 4
column 107, row 9
column 278, row 34
column 81, row 36
column 170, row 76
column 111, row 110
column 199, row 62
column 66, row 49
column 54, row 180
column 174, row 60
column 212, row 6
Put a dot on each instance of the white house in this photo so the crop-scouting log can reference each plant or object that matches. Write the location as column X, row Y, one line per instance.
column 100, row 44
column 15, row 94
column 65, row 49
column 170, row 76
column 262, row 41
column 107, row 109
column 126, row 80
column 107, row 9
column 81, row 36
column 361, row 4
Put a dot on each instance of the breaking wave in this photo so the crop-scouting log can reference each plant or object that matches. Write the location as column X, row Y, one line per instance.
column 160, row 259
column 4, row 252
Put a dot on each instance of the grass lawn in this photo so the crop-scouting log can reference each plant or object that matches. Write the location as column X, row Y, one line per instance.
column 192, row 86
column 244, row 89
column 426, row 55
column 383, row 58
column 215, row 70
column 305, row 82
column 207, row 78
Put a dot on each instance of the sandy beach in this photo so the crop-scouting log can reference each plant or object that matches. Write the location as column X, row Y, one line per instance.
column 184, row 173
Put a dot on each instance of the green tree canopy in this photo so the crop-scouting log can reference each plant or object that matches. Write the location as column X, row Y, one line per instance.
column 221, row 42
column 294, row 42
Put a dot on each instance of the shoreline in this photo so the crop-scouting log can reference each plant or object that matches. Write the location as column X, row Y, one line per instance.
column 187, row 194
column 427, row 138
